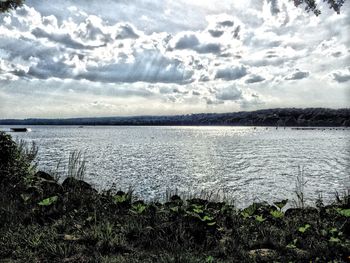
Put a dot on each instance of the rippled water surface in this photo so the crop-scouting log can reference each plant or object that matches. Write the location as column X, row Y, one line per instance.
column 245, row 163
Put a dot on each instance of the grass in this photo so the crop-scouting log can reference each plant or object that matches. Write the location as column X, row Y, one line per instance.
column 45, row 221
column 76, row 165
column 299, row 188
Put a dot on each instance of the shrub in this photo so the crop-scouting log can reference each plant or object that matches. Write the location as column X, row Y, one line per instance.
column 16, row 163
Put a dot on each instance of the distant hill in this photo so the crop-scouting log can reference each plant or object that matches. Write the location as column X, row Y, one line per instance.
column 269, row 117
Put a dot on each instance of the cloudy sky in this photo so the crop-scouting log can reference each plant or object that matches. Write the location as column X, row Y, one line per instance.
column 126, row 57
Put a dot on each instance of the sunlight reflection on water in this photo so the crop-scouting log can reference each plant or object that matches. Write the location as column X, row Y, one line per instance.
column 246, row 163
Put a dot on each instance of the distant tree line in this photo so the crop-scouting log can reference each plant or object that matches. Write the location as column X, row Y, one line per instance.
column 316, row 117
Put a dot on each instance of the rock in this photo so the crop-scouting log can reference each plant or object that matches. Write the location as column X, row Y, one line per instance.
column 197, row 201
column 72, row 184
column 175, row 198
column 71, row 238
column 50, row 188
column 120, row 193
column 216, row 205
column 45, row 176
column 33, row 192
column 263, row 255
column 299, row 254
column 308, row 211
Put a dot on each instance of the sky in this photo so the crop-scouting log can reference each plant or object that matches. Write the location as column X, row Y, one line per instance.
column 82, row 58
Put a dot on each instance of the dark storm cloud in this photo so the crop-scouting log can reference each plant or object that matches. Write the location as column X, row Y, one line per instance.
column 298, row 75
column 231, row 73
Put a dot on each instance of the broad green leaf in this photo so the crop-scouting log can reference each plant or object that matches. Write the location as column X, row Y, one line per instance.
column 334, row 239
column 48, row 201
column 260, row 218
column 245, row 215
column 303, row 229
column 344, row 212
column 207, row 218
column 250, row 210
column 198, row 210
column 120, row 198
column 138, row 209
column 293, row 244
column 276, row 214
column 209, row 259
column 175, row 209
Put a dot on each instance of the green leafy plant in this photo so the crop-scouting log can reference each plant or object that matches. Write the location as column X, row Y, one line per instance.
column 209, row 259
column 117, row 199
column 198, row 209
column 209, row 220
column 281, row 204
column 334, row 240
column 260, row 218
column 293, row 244
column 48, row 201
column 303, row 229
column 249, row 211
column 343, row 212
column 138, row 208
column 174, row 209
column 276, row 214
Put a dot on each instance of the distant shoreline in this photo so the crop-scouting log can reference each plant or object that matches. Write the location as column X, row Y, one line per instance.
column 286, row 117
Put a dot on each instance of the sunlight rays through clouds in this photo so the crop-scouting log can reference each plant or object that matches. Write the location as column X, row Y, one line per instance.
column 270, row 51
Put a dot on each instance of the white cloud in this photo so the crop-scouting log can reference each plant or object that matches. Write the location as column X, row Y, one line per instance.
column 231, row 73
column 298, row 75
column 229, row 93
column 175, row 55
column 341, row 75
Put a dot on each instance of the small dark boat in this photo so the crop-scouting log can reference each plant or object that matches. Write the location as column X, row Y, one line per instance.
column 20, row 129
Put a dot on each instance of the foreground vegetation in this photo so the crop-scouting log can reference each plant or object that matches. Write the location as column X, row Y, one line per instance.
column 42, row 220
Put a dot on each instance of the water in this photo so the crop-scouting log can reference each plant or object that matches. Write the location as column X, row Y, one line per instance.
column 246, row 164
